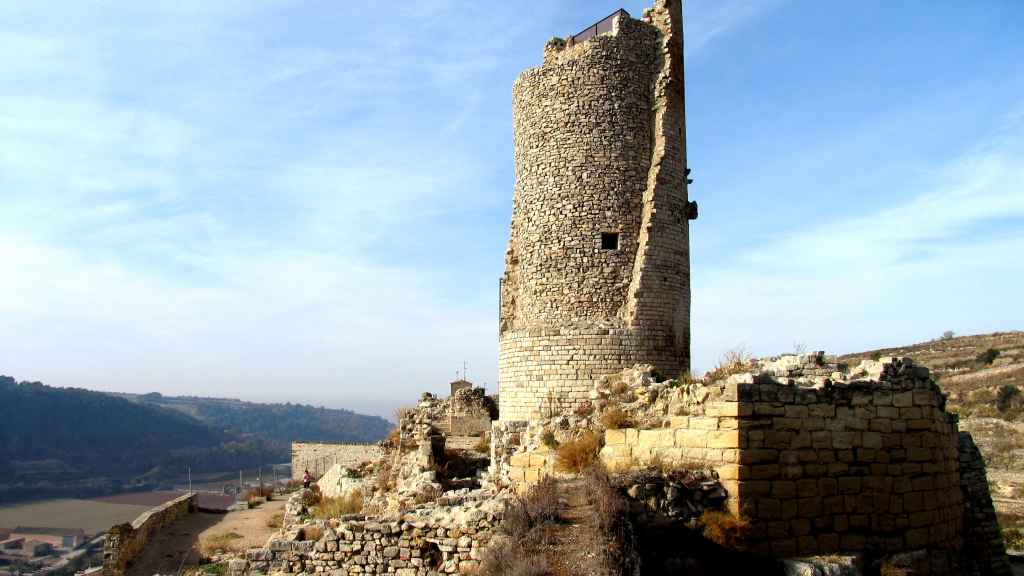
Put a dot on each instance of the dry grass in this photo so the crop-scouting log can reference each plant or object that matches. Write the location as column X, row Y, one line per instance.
column 310, row 534
column 222, row 543
column 615, row 418
column 262, row 491
column 275, row 521
column 732, row 362
column 352, row 503
column 524, row 531
column 619, row 388
column 386, row 480
column 724, row 529
column 1014, row 538
column 483, row 446
column 576, row 455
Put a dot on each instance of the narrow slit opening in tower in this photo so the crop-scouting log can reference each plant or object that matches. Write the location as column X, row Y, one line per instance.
column 609, row 240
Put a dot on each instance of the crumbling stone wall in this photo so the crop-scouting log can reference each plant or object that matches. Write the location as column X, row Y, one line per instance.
column 599, row 147
column 443, row 537
column 125, row 542
column 319, row 457
column 841, row 467
column 464, row 418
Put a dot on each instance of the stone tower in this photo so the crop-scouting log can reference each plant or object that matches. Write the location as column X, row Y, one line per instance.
column 597, row 271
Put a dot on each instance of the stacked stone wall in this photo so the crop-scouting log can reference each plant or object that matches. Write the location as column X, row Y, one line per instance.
column 319, row 457
column 863, row 465
column 440, row 538
column 125, row 542
column 599, row 149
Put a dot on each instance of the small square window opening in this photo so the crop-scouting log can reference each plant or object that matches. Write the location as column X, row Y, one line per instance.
column 609, row 240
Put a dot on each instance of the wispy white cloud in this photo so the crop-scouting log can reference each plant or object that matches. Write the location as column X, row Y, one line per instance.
column 892, row 275
column 708, row 20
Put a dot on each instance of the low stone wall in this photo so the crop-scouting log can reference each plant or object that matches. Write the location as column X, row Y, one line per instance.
column 446, row 537
column 319, row 457
column 125, row 542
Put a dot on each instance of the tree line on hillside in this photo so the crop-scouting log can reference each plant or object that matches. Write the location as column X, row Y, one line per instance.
column 50, row 436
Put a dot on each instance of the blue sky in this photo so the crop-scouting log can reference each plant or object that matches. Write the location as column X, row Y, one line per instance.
column 310, row 201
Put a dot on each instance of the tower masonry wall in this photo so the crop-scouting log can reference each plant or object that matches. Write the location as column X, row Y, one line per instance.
column 599, row 149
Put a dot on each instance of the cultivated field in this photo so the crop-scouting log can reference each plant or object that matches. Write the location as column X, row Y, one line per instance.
column 93, row 516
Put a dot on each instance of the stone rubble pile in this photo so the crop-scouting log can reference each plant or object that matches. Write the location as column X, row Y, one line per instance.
column 678, row 494
column 443, row 537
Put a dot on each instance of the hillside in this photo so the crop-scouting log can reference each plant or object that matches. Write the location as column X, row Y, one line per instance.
column 983, row 376
column 70, row 441
column 276, row 423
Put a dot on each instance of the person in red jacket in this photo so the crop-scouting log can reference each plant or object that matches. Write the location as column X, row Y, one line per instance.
column 307, row 478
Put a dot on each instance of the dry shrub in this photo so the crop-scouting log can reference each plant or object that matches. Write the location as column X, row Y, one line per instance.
column 312, row 496
column 254, row 502
column 292, row 485
column 310, row 534
column 576, row 455
column 386, row 480
column 275, row 521
column 732, row 362
column 615, row 418
column 351, row 503
column 548, row 439
column 724, row 529
column 260, row 492
column 1014, row 538
column 483, row 446
column 585, row 409
column 393, row 439
column 612, row 538
column 506, row 557
column 217, row 543
column 619, row 388
column 525, row 529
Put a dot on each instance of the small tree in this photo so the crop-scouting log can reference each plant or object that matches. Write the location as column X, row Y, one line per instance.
column 988, row 356
column 948, row 335
column 1005, row 396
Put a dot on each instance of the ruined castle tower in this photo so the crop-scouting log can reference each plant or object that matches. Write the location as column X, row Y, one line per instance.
column 597, row 272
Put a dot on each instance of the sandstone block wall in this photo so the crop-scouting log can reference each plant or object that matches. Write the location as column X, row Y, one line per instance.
column 125, row 542
column 863, row 465
column 599, row 147
column 319, row 457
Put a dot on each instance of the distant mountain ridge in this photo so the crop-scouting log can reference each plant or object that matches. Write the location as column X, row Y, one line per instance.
column 77, row 442
column 274, row 422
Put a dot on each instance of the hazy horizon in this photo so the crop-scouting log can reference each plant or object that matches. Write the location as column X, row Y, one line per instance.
column 310, row 203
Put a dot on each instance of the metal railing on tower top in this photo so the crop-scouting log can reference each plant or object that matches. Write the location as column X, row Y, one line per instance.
column 603, row 25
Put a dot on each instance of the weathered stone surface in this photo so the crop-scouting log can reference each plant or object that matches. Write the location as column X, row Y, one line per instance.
column 597, row 268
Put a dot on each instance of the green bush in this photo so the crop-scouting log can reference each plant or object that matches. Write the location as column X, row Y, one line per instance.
column 1005, row 396
column 987, row 357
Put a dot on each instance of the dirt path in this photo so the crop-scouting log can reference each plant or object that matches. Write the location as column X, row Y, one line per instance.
column 178, row 545
column 572, row 537
column 251, row 525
